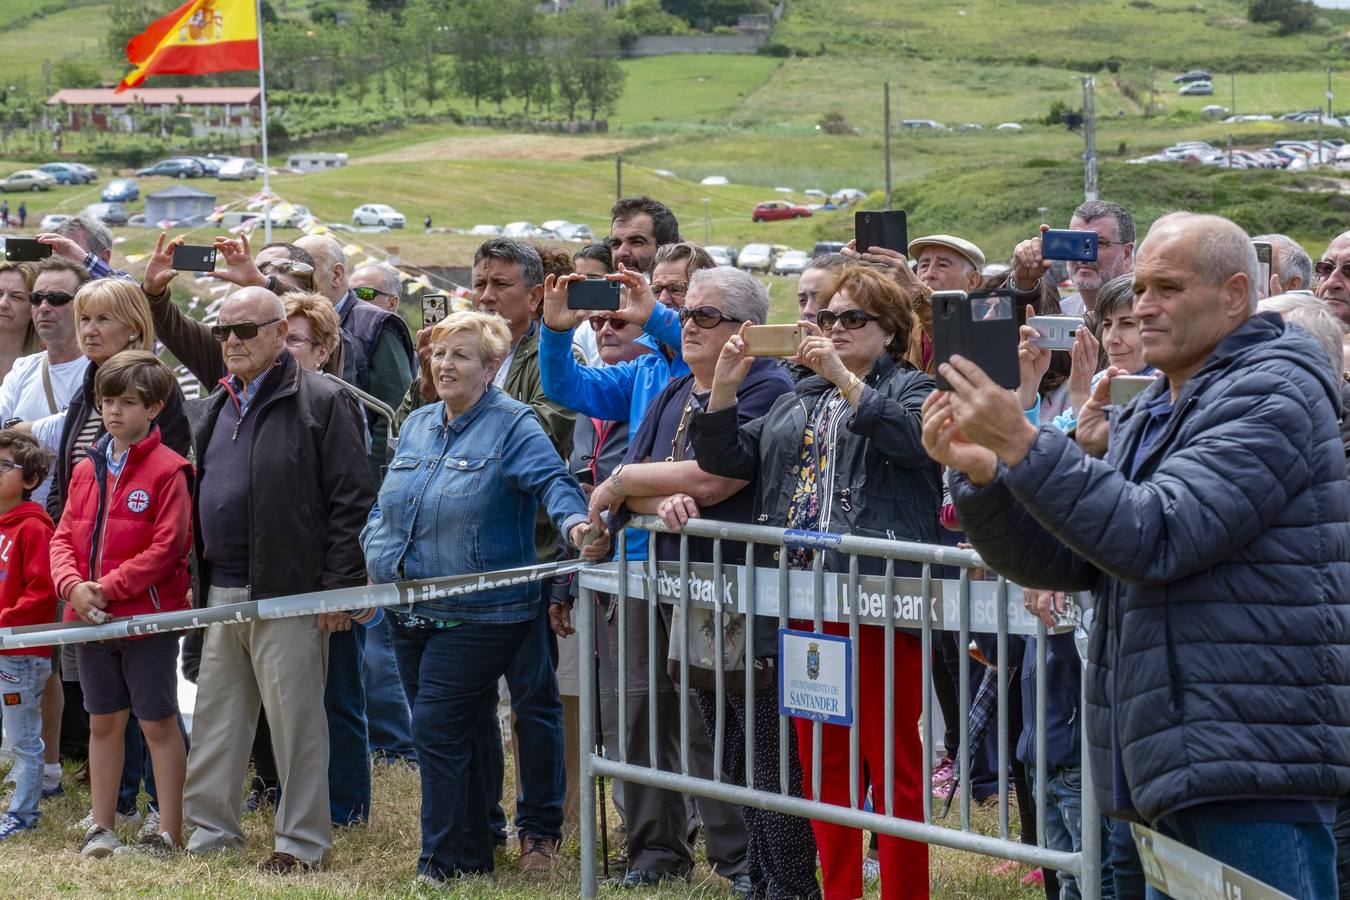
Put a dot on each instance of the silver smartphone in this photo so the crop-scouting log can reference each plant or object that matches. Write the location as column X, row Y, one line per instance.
column 1055, row 332
column 1125, row 388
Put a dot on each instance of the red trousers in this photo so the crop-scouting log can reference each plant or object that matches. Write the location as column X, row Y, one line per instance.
column 904, row 864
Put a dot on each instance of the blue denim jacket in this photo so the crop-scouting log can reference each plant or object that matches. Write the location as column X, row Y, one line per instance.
column 460, row 497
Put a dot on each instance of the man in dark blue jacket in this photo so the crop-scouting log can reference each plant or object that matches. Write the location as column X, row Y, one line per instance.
column 1215, row 536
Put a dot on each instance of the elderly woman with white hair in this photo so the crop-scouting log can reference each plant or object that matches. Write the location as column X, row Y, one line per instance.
column 1316, row 318
column 460, row 497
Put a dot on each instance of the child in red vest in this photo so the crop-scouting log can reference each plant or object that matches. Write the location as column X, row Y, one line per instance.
column 122, row 550
column 26, row 598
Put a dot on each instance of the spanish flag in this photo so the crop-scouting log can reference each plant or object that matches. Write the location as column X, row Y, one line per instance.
column 198, row 37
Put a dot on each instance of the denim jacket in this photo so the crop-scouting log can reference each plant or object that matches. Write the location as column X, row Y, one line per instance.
column 460, row 497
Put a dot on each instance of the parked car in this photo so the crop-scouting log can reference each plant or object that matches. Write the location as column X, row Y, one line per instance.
column 210, row 165
column 238, row 168
column 108, row 213
column 715, row 181
column 121, row 190
column 793, row 262
column 722, row 254
column 922, row 123
column 554, row 224
column 138, row 221
column 521, row 230
column 574, row 232
column 52, row 221
column 486, row 230
column 1197, row 89
column 89, row 172
column 378, row 214
column 776, row 210
column 1192, row 75
column 178, row 167
column 1008, row 126
column 27, row 180
column 1214, row 110
column 823, row 247
column 63, row 173
column 755, row 257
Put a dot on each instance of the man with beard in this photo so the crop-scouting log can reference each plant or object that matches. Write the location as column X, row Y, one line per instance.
column 1115, row 256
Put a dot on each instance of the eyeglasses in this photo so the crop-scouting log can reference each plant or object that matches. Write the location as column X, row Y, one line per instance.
column 706, row 317
column 9, row 465
column 287, row 265
column 299, row 340
column 369, row 294
column 851, row 319
column 244, row 330
column 1325, row 268
column 1106, row 242
column 676, row 289
column 51, row 298
column 598, row 322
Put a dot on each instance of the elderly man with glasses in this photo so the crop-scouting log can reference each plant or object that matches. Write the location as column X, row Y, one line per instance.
column 251, row 506
column 379, row 284
column 1114, row 227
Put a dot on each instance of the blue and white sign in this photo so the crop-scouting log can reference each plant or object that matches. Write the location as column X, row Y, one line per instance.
column 815, row 676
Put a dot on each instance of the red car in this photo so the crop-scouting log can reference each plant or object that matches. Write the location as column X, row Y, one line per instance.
column 772, row 210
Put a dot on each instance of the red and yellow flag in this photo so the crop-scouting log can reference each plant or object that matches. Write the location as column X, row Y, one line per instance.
column 198, row 37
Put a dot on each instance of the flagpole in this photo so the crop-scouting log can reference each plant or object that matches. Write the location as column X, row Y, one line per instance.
column 262, row 90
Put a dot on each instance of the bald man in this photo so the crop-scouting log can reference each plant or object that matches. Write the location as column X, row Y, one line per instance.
column 268, row 524
column 1215, row 536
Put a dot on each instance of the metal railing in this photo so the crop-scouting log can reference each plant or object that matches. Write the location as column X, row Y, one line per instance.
column 924, row 604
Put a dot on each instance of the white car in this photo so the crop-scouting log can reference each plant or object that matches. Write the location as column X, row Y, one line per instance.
column 27, row 180
column 755, row 256
column 52, row 221
column 722, row 254
column 378, row 214
column 521, row 230
column 715, row 180
column 554, row 225
column 486, row 230
column 238, row 168
column 1008, row 126
column 793, row 262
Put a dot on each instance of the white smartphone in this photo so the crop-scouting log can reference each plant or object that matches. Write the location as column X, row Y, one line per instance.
column 1055, row 332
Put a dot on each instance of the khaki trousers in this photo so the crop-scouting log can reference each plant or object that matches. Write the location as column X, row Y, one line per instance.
column 281, row 665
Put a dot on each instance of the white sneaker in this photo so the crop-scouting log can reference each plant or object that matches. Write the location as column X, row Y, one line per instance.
column 151, row 827
column 99, row 843
column 151, row 844
column 119, row 821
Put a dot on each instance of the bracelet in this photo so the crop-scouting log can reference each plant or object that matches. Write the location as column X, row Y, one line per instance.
column 854, row 381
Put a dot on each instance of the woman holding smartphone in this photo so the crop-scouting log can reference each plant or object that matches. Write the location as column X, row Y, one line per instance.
column 849, row 437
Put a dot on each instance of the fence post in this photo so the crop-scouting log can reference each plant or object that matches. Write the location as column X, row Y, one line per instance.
column 1090, row 881
column 587, row 701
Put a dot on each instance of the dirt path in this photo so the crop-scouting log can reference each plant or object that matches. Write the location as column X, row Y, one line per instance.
column 509, row 146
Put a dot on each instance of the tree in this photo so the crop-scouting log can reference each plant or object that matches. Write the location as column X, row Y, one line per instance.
column 125, row 20
column 1292, row 15
column 476, row 41
column 72, row 73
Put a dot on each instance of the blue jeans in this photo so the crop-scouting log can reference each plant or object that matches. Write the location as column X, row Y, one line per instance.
column 1341, row 831
column 1121, row 857
column 387, row 711
column 1064, row 829
column 450, row 678
column 533, row 681
column 1295, row 857
column 344, row 700
column 137, row 767
column 22, row 679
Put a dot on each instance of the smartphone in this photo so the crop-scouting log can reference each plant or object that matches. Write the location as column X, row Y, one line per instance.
column 26, row 250
column 881, row 228
column 194, row 258
column 1075, row 246
column 593, row 293
column 981, row 327
column 773, row 340
column 1264, row 258
column 434, row 308
column 1056, row 332
column 1125, row 388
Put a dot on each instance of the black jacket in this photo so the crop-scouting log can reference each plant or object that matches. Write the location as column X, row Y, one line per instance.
column 1219, row 653
column 174, row 433
column 310, row 487
column 882, row 483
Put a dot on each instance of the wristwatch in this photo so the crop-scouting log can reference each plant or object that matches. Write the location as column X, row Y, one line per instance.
column 615, row 482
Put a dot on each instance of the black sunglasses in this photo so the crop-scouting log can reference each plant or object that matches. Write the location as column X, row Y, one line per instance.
column 706, row 316
column 368, row 294
column 598, row 322
column 1325, row 268
column 245, row 330
column 851, row 319
column 51, row 298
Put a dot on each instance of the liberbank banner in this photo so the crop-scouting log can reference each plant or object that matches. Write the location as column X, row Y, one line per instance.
column 906, row 600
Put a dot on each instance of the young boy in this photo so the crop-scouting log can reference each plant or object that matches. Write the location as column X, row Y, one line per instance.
column 26, row 598
column 130, row 501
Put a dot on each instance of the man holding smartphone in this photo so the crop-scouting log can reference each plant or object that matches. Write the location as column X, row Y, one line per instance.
column 1114, row 227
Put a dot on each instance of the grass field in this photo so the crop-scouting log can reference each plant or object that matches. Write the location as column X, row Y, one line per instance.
column 68, row 34
column 379, row 860
column 692, row 88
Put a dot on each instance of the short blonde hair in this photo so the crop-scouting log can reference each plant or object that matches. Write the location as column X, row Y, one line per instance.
column 323, row 320
column 494, row 336
column 125, row 302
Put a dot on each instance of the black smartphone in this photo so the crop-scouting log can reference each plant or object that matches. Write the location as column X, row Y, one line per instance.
column 881, row 228
column 1264, row 264
column 982, row 327
column 593, row 293
column 26, row 250
column 1076, row 246
column 434, row 308
column 194, row 258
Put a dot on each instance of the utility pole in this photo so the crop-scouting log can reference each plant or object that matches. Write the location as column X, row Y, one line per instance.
column 707, row 221
column 1151, row 91
column 618, row 178
column 1089, row 141
column 1232, row 87
column 886, row 99
column 1329, row 112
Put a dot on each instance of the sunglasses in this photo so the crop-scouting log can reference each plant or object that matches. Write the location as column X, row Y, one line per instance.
column 51, row 298
column 851, row 319
column 598, row 322
column 706, row 317
column 244, row 330
column 287, row 265
column 1325, row 268
column 368, row 294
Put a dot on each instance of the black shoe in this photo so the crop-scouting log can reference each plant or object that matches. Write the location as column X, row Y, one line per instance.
column 259, row 800
column 638, row 878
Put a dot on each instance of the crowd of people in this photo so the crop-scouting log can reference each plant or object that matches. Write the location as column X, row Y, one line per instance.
column 1209, row 518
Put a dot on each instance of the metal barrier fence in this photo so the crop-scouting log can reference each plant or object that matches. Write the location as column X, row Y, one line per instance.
column 924, row 604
